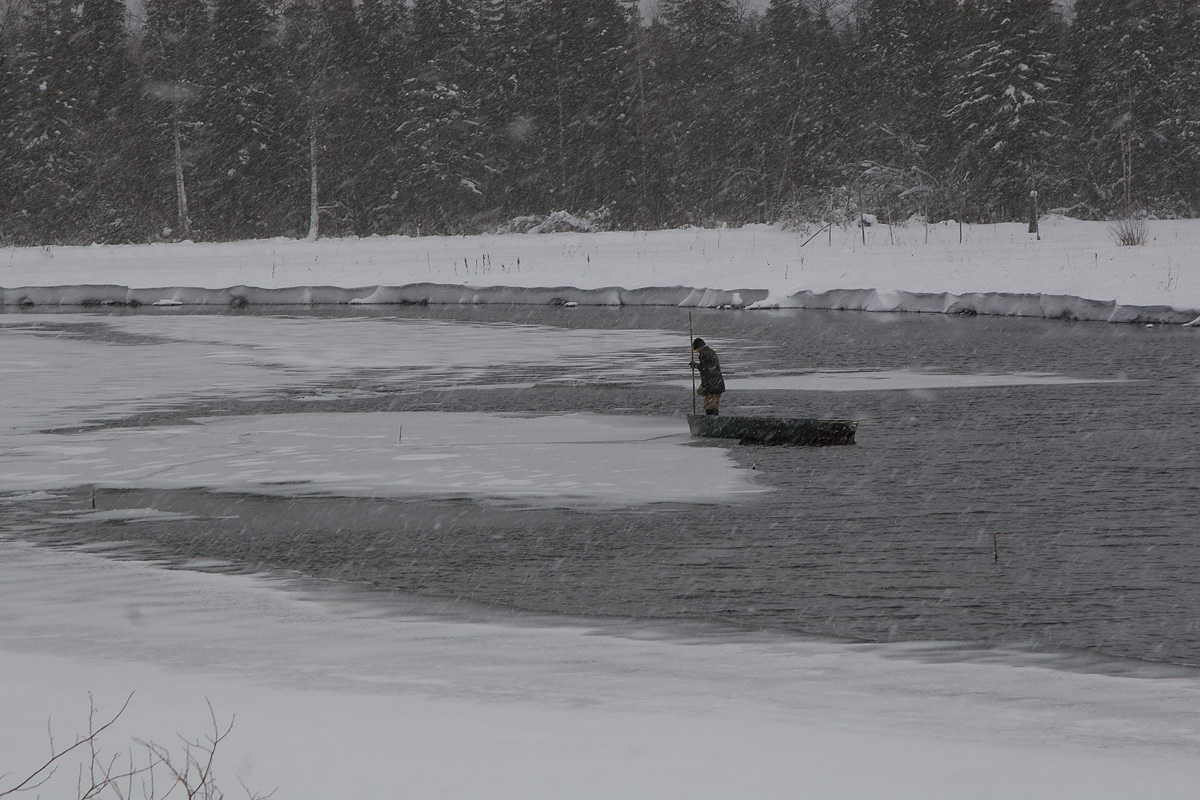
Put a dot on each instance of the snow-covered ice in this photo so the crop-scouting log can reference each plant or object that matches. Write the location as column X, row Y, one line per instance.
column 336, row 697
column 565, row 460
column 340, row 700
column 890, row 380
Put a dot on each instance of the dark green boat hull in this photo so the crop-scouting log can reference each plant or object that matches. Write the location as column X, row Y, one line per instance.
column 774, row 430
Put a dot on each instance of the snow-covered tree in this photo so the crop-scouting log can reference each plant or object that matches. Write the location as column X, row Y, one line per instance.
column 1180, row 180
column 175, row 37
column 384, row 63
column 44, row 128
column 442, row 176
column 444, row 35
column 10, row 158
column 905, row 60
column 246, row 177
column 245, row 118
column 1121, row 64
column 111, row 111
column 796, row 100
column 70, row 123
column 1007, row 109
column 441, row 137
column 696, row 130
column 571, row 140
column 323, row 65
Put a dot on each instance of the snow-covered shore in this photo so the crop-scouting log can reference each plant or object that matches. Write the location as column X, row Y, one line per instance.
column 1072, row 270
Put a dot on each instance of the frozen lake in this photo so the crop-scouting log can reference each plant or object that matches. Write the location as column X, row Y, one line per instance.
column 1018, row 484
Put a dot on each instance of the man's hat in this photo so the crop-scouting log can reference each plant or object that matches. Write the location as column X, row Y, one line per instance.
column 697, row 343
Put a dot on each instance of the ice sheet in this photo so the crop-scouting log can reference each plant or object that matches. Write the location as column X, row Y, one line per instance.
column 341, row 699
column 61, row 373
column 574, row 459
column 890, row 380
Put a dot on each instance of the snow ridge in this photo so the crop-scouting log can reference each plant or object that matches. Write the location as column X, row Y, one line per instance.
column 1010, row 304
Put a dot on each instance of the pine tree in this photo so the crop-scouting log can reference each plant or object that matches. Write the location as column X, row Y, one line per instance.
column 1007, row 114
column 1121, row 75
column 693, row 109
column 442, row 181
column 384, row 66
column 797, row 102
column 324, row 78
column 607, row 137
column 52, row 167
column 569, row 151
column 176, row 34
column 11, row 160
column 1181, row 126
column 905, row 51
column 247, row 180
column 774, row 91
column 502, row 56
column 105, row 107
column 444, row 33
column 441, row 138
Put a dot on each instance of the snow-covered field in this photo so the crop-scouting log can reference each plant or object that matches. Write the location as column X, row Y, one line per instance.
column 335, row 697
column 1073, row 269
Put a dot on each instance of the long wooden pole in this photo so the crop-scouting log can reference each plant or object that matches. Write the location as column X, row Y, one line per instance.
column 692, row 357
column 818, row 233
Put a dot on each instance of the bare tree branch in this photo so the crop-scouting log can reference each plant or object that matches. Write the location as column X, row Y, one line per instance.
column 43, row 773
column 192, row 773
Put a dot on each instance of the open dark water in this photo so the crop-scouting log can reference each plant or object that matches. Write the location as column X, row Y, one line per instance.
column 1056, row 517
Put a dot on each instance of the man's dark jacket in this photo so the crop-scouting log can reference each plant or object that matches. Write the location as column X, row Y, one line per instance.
column 711, row 381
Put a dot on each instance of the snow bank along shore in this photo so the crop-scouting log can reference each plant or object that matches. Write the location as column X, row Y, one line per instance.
column 1072, row 270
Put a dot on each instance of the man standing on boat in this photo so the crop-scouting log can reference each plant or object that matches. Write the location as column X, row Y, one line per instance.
column 712, row 385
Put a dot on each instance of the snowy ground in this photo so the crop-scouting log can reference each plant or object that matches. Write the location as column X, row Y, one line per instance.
column 334, row 697
column 1075, row 269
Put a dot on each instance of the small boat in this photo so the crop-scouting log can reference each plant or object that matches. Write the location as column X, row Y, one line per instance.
column 774, row 430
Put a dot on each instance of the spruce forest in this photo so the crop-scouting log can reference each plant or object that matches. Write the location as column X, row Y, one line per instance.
column 236, row 119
